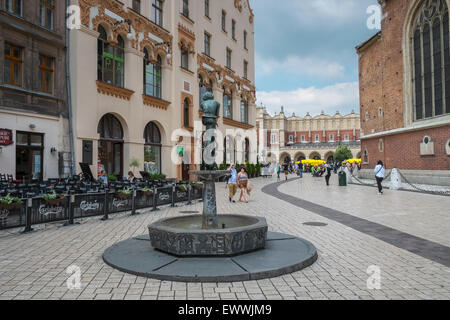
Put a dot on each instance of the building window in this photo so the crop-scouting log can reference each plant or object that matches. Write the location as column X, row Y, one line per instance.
column 185, row 59
column 110, row 145
column 291, row 139
column 14, row 6
column 244, row 111
column 111, row 60
column 185, row 11
column 245, row 69
column 152, row 76
column 431, row 60
column 331, row 137
column 207, row 44
column 303, row 138
column 273, row 138
column 157, row 12
column 224, row 20
column 317, row 138
column 137, row 5
column 380, row 145
column 207, row 8
column 228, row 58
column 246, row 150
column 47, row 9
column 29, row 155
column 365, row 157
column 45, row 77
column 228, row 105
column 13, row 65
column 152, row 149
column 346, row 138
column 245, row 39
column 186, row 120
column 233, row 29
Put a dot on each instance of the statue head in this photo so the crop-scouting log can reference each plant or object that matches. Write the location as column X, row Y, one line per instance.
column 208, row 96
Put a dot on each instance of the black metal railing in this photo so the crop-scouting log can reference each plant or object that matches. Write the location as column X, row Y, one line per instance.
column 94, row 201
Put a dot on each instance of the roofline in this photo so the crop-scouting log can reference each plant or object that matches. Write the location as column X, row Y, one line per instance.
column 370, row 41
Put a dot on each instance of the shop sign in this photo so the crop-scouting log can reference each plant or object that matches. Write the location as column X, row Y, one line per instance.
column 5, row 137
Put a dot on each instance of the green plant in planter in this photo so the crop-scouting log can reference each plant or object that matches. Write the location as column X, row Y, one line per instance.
column 147, row 191
column 223, row 166
column 157, row 176
column 197, row 185
column 124, row 194
column 134, row 163
column 182, row 187
column 10, row 203
column 53, row 199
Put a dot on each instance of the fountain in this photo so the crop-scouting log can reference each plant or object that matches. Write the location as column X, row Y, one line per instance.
column 211, row 247
column 209, row 234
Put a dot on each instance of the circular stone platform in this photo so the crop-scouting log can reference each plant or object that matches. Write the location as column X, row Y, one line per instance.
column 283, row 254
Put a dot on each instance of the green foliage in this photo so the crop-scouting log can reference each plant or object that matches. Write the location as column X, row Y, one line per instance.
column 197, row 185
column 157, row 176
column 342, row 153
column 146, row 189
column 182, row 187
column 53, row 196
column 223, row 166
column 126, row 192
column 10, row 200
column 112, row 177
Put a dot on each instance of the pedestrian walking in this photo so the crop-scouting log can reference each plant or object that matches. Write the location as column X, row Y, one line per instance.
column 278, row 172
column 242, row 179
column 232, row 182
column 286, row 169
column 379, row 175
column 327, row 177
column 300, row 169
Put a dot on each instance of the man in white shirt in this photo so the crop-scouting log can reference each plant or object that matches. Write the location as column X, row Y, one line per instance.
column 379, row 175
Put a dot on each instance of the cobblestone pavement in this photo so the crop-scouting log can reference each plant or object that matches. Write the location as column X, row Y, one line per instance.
column 33, row 266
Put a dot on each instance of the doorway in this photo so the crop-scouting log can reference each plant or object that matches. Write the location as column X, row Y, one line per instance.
column 29, row 156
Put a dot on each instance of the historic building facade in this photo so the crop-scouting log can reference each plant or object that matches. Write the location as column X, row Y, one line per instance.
column 296, row 138
column 138, row 69
column 404, row 75
column 34, row 136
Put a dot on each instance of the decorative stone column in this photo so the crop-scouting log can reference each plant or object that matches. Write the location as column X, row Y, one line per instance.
column 396, row 181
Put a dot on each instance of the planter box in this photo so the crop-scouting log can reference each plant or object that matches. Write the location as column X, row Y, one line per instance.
column 122, row 196
column 10, row 207
column 147, row 193
column 55, row 202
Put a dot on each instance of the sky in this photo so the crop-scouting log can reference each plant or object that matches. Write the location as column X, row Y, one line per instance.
column 305, row 57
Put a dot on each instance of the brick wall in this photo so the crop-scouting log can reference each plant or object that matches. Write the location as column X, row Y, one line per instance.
column 403, row 150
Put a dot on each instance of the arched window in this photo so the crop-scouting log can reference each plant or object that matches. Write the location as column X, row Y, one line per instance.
column 152, row 76
column 152, row 149
column 228, row 105
column 111, row 60
column 110, row 145
column 186, row 116
column 431, row 60
column 244, row 111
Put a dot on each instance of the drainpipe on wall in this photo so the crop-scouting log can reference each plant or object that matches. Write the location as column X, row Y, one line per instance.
column 69, row 97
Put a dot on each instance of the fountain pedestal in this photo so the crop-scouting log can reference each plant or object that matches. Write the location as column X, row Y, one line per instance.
column 209, row 213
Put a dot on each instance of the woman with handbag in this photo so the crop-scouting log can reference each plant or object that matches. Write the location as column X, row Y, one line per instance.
column 242, row 179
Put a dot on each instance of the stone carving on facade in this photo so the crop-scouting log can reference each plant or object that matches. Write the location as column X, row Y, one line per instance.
column 114, row 91
column 140, row 24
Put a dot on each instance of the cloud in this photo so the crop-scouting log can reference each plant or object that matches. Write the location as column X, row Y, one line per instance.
column 340, row 96
column 306, row 66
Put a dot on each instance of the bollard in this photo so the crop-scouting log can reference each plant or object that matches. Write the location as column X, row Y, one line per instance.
column 28, row 207
column 71, row 209
column 173, row 205
column 189, row 194
column 154, row 200
column 105, row 206
column 133, row 204
column 396, row 181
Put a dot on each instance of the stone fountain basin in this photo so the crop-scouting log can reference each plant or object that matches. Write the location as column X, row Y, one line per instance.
column 184, row 236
